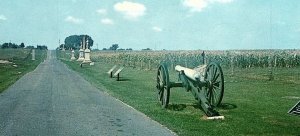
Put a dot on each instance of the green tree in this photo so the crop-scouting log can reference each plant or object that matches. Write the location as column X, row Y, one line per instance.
column 74, row 41
column 13, row 45
column 22, row 45
column 147, row 49
column 30, row 47
column 42, row 47
column 9, row 45
column 5, row 45
column 114, row 47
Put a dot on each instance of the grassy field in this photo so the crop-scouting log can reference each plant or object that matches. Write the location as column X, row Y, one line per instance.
column 21, row 64
column 252, row 105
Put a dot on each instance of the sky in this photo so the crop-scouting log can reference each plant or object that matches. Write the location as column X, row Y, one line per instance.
column 155, row 24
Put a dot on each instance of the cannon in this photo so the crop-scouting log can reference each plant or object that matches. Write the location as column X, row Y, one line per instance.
column 206, row 82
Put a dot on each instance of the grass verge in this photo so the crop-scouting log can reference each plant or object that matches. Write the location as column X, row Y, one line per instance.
column 21, row 64
column 251, row 104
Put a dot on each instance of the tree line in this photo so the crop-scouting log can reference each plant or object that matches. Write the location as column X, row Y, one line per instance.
column 74, row 42
column 22, row 45
column 115, row 47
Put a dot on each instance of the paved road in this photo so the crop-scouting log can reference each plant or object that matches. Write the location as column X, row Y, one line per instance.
column 54, row 100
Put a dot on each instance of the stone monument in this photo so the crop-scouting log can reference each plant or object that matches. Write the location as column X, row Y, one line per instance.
column 33, row 54
column 81, row 51
column 87, row 52
column 63, row 49
column 72, row 55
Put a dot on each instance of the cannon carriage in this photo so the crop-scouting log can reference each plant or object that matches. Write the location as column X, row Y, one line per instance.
column 206, row 82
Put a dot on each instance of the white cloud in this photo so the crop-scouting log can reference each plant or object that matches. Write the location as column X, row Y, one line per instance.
column 2, row 17
column 199, row 5
column 74, row 20
column 102, row 11
column 130, row 10
column 107, row 21
column 195, row 5
column 156, row 29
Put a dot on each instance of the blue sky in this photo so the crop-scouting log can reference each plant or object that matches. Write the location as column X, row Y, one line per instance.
column 160, row 24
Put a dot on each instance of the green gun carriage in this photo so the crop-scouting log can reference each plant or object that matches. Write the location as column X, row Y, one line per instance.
column 206, row 82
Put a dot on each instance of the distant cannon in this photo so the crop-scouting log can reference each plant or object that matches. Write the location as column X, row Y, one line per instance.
column 206, row 83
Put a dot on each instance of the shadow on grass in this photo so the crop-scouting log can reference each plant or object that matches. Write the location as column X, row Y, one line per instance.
column 176, row 107
column 197, row 106
column 180, row 107
column 227, row 106
column 122, row 79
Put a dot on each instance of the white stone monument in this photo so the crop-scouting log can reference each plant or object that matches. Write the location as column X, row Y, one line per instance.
column 63, row 49
column 72, row 55
column 33, row 54
column 87, row 52
column 81, row 51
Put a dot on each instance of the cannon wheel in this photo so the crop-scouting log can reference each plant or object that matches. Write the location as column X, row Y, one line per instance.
column 163, row 85
column 215, row 84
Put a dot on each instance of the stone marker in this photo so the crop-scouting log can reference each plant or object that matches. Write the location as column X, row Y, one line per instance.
column 33, row 54
column 87, row 52
column 72, row 55
column 63, row 49
column 81, row 51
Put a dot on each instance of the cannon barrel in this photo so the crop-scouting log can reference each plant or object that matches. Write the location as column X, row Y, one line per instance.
column 190, row 73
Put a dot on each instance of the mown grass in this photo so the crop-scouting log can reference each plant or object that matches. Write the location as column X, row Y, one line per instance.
column 21, row 64
column 252, row 105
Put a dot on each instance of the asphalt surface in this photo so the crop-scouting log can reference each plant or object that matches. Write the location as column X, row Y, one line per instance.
column 54, row 100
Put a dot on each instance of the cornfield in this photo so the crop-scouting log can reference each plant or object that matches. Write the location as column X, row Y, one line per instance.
column 148, row 60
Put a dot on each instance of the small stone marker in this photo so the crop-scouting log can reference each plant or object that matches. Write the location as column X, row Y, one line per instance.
column 118, row 73
column 63, row 49
column 81, row 53
column 111, row 70
column 80, row 58
column 33, row 54
column 295, row 110
column 72, row 55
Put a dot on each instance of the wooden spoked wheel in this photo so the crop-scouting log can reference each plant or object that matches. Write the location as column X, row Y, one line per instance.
column 215, row 84
column 163, row 85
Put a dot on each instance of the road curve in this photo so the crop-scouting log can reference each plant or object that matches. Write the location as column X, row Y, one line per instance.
column 54, row 100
